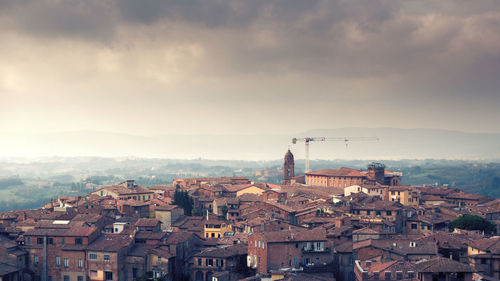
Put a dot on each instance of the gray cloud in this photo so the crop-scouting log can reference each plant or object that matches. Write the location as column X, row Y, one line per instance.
column 273, row 55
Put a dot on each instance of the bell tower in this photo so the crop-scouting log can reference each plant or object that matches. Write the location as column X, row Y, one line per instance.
column 288, row 167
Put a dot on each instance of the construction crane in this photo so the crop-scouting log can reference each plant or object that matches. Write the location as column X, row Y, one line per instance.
column 346, row 140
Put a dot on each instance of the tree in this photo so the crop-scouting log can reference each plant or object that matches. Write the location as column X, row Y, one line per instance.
column 182, row 199
column 224, row 210
column 473, row 222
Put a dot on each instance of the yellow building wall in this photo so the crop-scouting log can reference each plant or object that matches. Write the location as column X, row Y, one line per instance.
column 251, row 190
column 218, row 232
column 100, row 275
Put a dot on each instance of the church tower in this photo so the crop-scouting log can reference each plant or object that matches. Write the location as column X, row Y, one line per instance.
column 288, row 167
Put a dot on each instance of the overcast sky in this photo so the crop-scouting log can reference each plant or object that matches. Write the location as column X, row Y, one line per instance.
column 155, row 67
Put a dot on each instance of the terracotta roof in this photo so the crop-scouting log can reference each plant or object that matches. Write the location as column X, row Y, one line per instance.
column 316, row 234
column 444, row 240
column 167, row 208
column 491, row 245
column 392, row 266
column 224, row 252
column 178, row 237
column 345, row 247
column 147, row 222
column 238, row 187
column 149, row 235
column 431, row 197
column 110, row 243
column 366, row 230
column 440, row 264
column 163, row 252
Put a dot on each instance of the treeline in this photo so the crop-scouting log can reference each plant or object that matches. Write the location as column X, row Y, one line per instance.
column 10, row 181
column 480, row 178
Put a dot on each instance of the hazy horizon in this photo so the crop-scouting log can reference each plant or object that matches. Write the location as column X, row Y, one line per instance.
column 393, row 143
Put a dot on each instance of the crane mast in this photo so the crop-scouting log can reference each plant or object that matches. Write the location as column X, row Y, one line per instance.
column 346, row 140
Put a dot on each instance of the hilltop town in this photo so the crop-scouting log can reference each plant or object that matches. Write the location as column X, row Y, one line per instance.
column 331, row 224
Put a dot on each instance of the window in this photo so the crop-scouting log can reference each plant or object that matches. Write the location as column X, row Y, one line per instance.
column 209, row 262
column 58, row 260
column 367, row 212
column 159, row 259
column 80, row 278
column 63, row 241
column 413, row 226
column 66, row 278
column 80, row 263
column 108, row 275
column 389, row 213
column 134, row 273
column 296, row 245
column 200, row 261
column 35, row 259
column 92, row 256
column 29, row 240
column 39, row 241
column 66, row 262
column 377, row 213
column 78, row 241
column 106, row 257
column 50, row 241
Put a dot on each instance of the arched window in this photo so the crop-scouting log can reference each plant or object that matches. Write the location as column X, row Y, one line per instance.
column 199, row 276
column 209, row 276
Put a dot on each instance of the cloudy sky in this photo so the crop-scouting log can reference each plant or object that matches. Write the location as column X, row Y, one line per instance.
column 155, row 67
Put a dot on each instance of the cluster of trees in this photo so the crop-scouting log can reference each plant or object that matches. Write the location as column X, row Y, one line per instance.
column 473, row 222
column 182, row 199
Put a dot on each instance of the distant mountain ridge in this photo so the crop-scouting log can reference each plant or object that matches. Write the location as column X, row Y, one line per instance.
column 394, row 143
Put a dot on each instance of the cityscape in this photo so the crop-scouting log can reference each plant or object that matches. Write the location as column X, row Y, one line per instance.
column 252, row 140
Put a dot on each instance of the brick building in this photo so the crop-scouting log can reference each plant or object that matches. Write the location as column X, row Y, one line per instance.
column 288, row 249
column 230, row 260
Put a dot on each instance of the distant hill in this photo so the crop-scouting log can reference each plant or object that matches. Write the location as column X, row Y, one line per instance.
column 393, row 144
